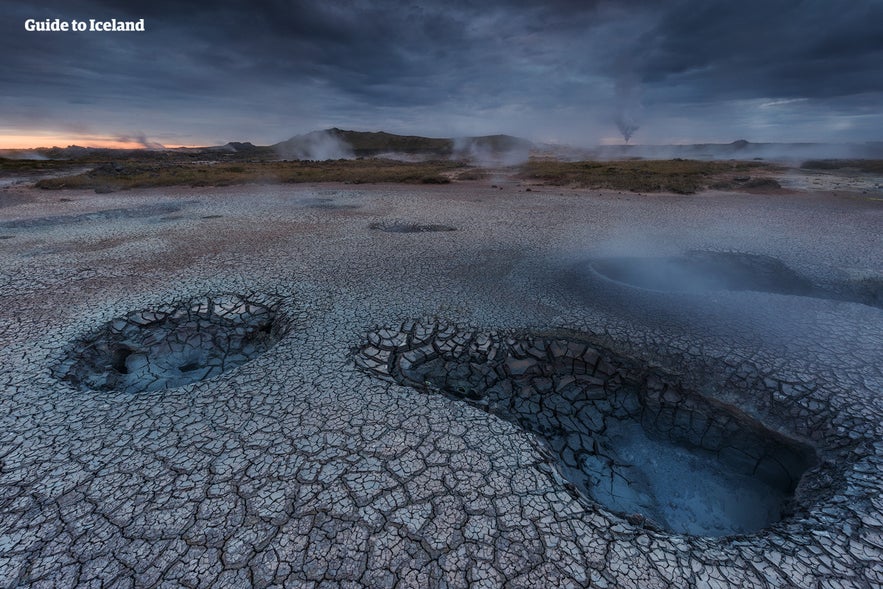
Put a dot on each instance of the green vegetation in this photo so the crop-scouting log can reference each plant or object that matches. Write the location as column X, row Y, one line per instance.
column 113, row 177
column 680, row 176
column 869, row 166
column 12, row 166
column 125, row 169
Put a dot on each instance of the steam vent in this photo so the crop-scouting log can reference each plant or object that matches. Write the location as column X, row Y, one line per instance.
column 159, row 349
column 704, row 271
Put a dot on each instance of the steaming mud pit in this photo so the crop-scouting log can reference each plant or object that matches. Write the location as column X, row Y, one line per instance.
column 330, row 458
column 705, row 271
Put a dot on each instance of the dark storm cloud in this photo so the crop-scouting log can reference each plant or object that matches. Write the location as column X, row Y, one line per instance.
column 767, row 48
column 556, row 68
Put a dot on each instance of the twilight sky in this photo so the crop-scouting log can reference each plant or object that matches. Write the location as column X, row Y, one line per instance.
column 681, row 71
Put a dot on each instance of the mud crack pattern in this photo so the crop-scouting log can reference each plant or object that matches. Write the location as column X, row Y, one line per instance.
column 599, row 415
column 298, row 469
column 627, row 436
column 187, row 342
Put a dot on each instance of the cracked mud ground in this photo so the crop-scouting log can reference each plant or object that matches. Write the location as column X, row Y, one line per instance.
column 316, row 463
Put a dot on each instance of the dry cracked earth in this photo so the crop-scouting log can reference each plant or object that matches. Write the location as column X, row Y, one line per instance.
column 333, row 386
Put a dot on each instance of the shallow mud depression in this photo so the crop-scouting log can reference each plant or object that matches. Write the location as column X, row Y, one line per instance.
column 405, row 386
column 186, row 342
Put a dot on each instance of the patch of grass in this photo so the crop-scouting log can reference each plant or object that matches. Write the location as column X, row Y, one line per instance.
column 113, row 177
column 679, row 176
column 868, row 166
column 763, row 183
column 746, row 183
column 9, row 167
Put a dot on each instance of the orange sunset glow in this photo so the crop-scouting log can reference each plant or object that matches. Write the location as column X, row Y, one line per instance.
column 20, row 140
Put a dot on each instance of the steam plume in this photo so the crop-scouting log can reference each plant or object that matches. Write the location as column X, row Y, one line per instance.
column 142, row 139
column 318, row 145
column 628, row 105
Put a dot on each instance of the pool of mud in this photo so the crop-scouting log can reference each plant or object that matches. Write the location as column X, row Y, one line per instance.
column 185, row 342
column 622, row 434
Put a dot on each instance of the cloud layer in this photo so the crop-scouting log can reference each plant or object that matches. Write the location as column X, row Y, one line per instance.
column 694, row 70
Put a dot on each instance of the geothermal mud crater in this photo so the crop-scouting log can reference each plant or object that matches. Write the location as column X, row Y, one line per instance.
column 187, row 342
column 402, row 227
column 624, row 435
column 702, row 271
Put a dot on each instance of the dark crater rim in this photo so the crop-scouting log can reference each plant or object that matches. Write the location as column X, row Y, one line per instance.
column 175, row 344
column 807, row 456
column 408, row 227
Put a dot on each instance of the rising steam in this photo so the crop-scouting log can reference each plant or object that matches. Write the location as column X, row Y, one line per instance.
column 142, row 139
column 318, row 145
column 492, row 150
column 628, row 104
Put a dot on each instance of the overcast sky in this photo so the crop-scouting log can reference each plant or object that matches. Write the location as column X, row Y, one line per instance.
column 565, row 71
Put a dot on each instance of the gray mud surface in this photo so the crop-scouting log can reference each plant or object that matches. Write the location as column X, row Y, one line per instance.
column 442, row 408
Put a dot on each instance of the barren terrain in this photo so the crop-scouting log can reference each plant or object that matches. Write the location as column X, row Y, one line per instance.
column 416, row 412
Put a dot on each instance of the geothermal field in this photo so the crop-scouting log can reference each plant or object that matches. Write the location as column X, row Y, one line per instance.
column 433, row 375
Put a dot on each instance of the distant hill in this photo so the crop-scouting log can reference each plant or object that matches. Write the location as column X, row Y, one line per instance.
column 326, row 144
column 368, row 144
column 485, row 150
column 236, row 147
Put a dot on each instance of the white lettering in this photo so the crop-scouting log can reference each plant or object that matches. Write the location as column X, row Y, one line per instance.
column 42, row 26
column 56, row 24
